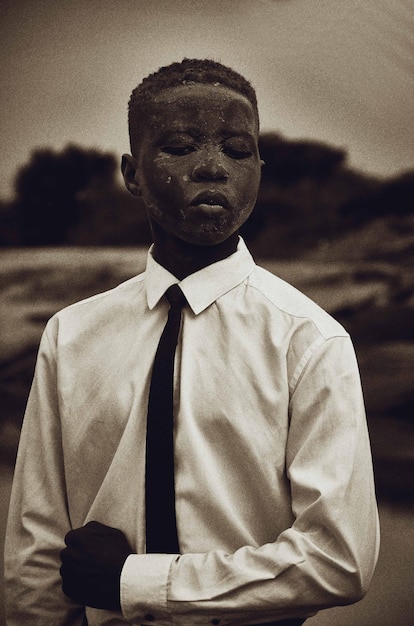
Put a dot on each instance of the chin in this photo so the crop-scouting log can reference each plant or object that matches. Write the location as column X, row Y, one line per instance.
column 208, row 234
column 205, row 238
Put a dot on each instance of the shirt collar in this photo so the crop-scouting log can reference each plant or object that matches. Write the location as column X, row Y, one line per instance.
column 203, row 287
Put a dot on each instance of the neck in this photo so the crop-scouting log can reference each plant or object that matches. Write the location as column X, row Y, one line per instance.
column 182, row 258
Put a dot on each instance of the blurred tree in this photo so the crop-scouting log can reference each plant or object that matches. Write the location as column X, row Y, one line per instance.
column 398, row 195
column 308, row 195
column 110, row 216
column 9, row 230
column 46, row 203
column 289, row 161
column 303, row 184
column 393, row 198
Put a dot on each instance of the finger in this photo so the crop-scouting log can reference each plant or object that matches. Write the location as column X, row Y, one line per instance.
column 80, row 537
column 72, row 537
column 71, row 557
column 74, row 590
column 97, row 528
column 101, row 530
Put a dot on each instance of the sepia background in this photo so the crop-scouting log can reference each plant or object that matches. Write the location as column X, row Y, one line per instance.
column 334, row 216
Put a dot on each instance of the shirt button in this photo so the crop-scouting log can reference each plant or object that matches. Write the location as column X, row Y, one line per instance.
column 215, row 621
column 149, row 617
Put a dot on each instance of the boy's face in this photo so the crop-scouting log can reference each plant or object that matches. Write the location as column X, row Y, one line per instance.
column 198, row 164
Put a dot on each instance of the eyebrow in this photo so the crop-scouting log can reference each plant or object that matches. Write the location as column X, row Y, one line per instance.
column 195, row 133
column 191, row 132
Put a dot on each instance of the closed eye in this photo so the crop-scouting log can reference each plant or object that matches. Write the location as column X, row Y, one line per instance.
column 178, row 149
column 237, row 153
column 237, row 148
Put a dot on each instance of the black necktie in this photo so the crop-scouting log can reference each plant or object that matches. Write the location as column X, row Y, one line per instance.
column 161, row 527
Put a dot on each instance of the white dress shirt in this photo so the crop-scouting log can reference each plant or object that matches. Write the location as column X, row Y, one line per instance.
column 276, row 510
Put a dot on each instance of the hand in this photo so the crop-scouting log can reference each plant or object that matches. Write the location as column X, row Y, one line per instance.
column 92, row 563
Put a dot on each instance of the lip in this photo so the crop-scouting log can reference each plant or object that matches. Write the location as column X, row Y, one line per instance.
column 212, row 199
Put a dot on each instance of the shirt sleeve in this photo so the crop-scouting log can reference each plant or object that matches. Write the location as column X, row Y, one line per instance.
column 326, row 558
column 38, row 518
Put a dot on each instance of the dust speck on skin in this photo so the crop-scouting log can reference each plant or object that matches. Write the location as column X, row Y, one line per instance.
column 186, row 177
column 162, row 159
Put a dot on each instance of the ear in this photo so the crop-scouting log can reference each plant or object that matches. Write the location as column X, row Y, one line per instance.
column 129, row 170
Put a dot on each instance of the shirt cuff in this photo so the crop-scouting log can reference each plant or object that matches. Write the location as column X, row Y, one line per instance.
column 144, row 583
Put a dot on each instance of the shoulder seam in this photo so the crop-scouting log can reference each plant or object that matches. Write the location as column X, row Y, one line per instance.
column 102, row 294
column 344, row 333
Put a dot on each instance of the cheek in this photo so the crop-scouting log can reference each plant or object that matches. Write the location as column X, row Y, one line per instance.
column 166, row 173
column 157, row 181
column 160, row 172
column 248, row 181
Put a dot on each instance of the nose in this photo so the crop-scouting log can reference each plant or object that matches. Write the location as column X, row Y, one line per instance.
column 210, row 167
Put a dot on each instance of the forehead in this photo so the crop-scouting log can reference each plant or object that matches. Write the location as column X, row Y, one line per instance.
column 203, row 106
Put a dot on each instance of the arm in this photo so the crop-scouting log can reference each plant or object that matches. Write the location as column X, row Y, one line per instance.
column 325, row 559
column 38, row 516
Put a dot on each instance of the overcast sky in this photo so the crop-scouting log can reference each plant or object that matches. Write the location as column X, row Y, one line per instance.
column 335, row 71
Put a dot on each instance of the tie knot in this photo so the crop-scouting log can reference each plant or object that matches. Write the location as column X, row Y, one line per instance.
column 175, row 297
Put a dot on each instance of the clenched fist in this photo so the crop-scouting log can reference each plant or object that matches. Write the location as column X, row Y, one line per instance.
column 92, row 563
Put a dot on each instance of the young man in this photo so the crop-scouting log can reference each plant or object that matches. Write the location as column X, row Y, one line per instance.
column 273, row 496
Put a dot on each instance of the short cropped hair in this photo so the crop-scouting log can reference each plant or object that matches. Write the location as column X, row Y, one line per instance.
column 183, row 73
